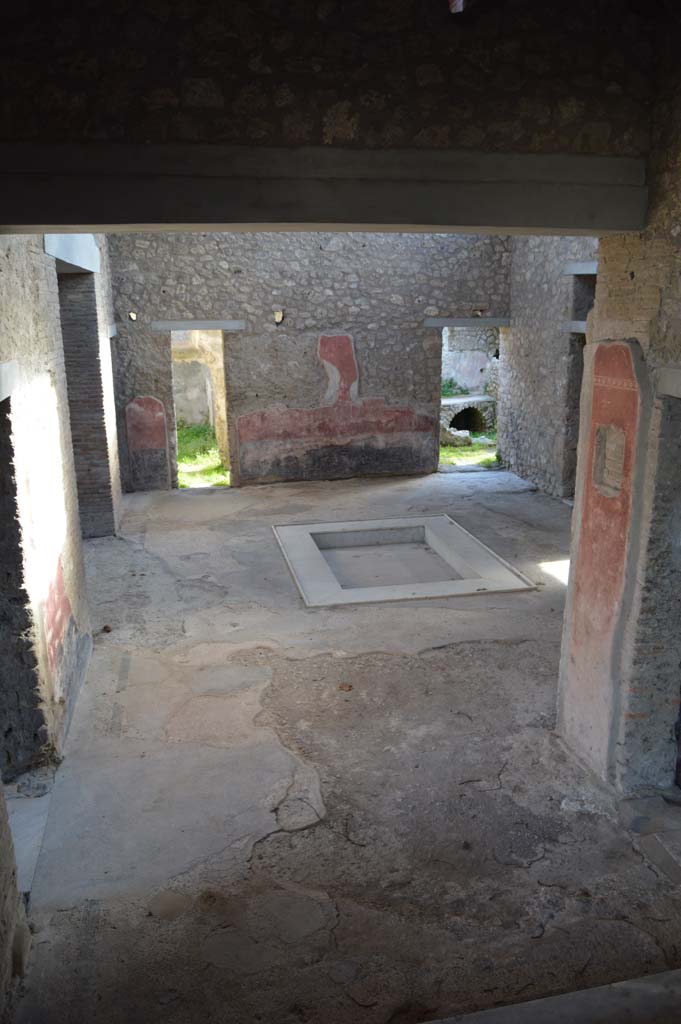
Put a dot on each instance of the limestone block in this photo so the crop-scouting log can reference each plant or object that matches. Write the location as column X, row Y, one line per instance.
column 455, row 438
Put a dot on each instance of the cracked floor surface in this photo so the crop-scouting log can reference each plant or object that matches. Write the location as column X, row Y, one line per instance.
column 269, row 813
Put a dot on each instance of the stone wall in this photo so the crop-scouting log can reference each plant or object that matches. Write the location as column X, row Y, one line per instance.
column 46, row 493
column 348, row 383
column 9, row 906
column 656, row 653
column 525, row 75
column 468, row 354
column 540, row 364
column 24, row 732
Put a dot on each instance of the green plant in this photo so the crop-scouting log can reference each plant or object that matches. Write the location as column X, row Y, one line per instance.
column 198, row 458
column 451, row 388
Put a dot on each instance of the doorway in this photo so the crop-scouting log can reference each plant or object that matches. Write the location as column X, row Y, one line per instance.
column 575, row 373
column 200, row 397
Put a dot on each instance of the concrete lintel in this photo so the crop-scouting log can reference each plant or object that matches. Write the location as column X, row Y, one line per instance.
column 467, row 321
column 581, row 268
column 575, row 326
column 668, row 381
column 183, row 187
column 463, row 401
column 113, row 330
column 9, row 374
column 162, row 326
column 74, row 253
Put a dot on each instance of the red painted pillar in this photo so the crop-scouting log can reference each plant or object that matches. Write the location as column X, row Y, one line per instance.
column 600, row 712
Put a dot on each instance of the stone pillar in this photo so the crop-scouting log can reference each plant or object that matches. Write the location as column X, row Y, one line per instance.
column 80, row 332
column 620, row 677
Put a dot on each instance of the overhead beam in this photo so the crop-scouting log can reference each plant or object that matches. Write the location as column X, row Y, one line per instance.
column 467, row 321
column 162, row 326
column 580, row 268
column 127, row 187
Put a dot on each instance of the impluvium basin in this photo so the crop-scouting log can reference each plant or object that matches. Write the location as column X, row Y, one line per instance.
column 400, row 559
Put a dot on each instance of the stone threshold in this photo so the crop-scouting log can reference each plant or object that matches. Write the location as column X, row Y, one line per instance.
column 652, row 1000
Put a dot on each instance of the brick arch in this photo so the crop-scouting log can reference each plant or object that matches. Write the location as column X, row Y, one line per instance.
column 469, row 418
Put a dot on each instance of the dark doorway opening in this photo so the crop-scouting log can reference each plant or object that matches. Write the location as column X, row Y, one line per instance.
column 469, row 419
column 23, row 725
column 572, row 403
column 583, row 296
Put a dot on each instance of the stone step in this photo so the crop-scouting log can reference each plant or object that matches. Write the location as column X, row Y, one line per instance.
column 652, row 1000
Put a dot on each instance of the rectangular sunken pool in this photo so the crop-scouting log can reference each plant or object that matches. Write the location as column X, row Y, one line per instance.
column 392, row 560
column 383, row 558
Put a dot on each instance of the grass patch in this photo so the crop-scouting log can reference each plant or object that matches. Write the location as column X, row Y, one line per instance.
column 451, row 388
column 476, row 454
column 198, row 458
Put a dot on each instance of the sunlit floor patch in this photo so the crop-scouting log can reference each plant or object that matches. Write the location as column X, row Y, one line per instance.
column 560, row 570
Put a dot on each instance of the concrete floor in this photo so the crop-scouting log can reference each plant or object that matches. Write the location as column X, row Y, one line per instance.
column 268, row 813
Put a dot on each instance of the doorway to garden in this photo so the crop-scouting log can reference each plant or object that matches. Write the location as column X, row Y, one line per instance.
column 200, row 397
column 470, row 362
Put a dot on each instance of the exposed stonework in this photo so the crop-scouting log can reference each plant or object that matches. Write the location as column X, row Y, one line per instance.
column 23, row 731
column 9, row 906
column 517, row 77
column 376, row 288
column 657, row 649
column 540, row 364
